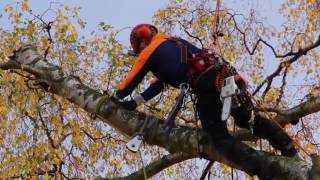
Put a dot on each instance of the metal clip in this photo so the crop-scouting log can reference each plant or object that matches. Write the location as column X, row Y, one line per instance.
column 184, row 87
column 135, row 143
column 228, row 90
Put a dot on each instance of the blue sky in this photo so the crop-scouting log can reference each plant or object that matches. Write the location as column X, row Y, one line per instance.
column 118, row 13
column 124, row 13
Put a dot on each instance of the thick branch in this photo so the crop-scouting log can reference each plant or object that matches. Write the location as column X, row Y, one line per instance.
column 294, row 114
column 284, row 117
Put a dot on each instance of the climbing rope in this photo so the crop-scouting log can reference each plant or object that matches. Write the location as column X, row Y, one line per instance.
column 216, row 33
column 143, row 167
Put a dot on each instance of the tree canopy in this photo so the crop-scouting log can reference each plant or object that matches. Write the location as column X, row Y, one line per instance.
column 52, row 79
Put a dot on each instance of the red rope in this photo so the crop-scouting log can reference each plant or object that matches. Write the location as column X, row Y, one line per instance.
column 216, row 34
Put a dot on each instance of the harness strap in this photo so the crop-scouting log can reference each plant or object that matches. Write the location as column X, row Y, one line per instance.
column 201, row 63
column 183, row 47
column 203, row 73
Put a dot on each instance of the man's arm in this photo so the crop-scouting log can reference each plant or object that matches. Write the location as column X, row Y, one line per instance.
column 139, row 70
column 134, row 77
column 154, row 89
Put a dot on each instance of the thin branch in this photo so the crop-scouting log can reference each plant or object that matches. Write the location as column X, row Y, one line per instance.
column 47, row 131
column 100, row 138
column 286, row 63
column 284, row 82
column 206, row 170
column 260, row 40
column 190, row 35
column 48, row 28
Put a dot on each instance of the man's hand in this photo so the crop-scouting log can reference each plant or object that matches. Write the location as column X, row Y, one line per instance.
column 129, row 105
column 114, row 98
column 132, row 104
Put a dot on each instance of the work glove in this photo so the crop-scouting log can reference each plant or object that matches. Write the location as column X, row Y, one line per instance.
column 129, row 105
column 132, row 104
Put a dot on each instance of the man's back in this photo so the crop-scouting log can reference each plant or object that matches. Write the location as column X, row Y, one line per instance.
column 166, row 62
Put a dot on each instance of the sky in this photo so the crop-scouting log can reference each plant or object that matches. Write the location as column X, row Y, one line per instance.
column 117, row 13
column 128, row 13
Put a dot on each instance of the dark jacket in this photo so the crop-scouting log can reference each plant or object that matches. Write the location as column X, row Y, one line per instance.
column 163, row 58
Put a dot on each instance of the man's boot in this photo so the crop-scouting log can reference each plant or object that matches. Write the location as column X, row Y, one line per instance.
column 277, row 137
column 267, row 129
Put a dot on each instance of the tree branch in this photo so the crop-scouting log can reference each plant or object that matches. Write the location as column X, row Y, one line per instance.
column 156, row 166
column 292, row 115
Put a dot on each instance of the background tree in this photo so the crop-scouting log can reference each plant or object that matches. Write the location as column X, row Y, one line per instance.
column 46, row 105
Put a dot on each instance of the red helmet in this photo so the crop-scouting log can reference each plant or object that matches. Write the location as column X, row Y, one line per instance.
column 141, row 33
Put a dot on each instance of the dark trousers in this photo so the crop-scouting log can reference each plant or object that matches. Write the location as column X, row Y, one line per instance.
column 209, row 109
column 233, row 150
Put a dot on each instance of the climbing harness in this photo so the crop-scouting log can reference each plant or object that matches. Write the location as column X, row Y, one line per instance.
column 199, row 64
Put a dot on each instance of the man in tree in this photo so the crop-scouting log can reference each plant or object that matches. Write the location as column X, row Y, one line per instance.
column 175, row 61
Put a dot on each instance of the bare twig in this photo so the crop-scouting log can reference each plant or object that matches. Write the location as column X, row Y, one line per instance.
column 100, row 138
column 284, row 82
column 286, row 63
column 206, row 170
column 48, row 28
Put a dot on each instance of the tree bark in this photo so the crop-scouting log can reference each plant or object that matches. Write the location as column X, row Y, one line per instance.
column 181, row 140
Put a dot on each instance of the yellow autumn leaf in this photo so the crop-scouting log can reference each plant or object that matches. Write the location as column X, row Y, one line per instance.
column 312, row 1
column 9, row 10
column 46, row 177
column 272, row 95
column 25, row 5
column 73, row 31
column 67, row 8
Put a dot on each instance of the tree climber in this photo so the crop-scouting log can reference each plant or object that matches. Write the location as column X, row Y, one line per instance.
column 175, row 61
